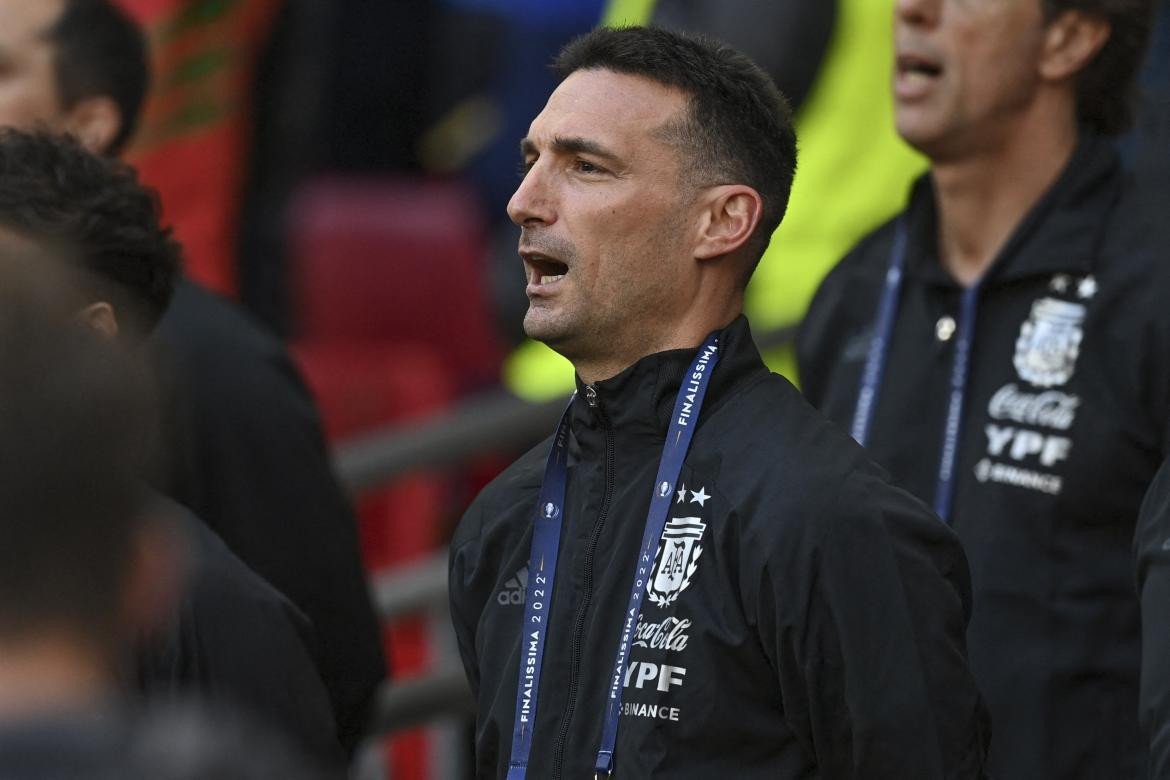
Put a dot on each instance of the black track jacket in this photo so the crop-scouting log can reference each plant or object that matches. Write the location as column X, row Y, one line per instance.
column 1063, row 427
column 815, row 629
column 244, row 451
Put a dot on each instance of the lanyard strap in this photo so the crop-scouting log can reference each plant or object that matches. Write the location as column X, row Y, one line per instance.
column 674, row 452
column 944, row 492
column 543, row 559
column 542, row 571
column 875, row 366
column 879, row 345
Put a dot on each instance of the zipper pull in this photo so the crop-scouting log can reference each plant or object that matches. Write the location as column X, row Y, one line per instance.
column 591, row 396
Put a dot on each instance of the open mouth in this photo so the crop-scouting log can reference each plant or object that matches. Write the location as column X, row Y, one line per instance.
column 913, row 65
column 915, row 77
column 543, row 271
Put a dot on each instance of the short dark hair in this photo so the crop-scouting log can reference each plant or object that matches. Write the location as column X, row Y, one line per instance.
column 1106, row 88
column 51, row 188
column 74, row 420
column 100, row 51
column 738, row 127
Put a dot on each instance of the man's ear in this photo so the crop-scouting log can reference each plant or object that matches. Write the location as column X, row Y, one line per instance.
column 730, row 213
column 95, row 122
column 101, row 317
column 1071, row 41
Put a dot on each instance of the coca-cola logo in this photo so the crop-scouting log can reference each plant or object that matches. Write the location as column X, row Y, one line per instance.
column 1049, row 409
column 670, row 634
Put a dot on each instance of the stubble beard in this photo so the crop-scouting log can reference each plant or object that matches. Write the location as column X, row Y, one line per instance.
column 542, row 323
column 552, row 322
column 585, row 325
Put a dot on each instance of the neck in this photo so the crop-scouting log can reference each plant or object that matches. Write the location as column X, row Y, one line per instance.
column 685, row 333
column 983, row 197
column 49, row 675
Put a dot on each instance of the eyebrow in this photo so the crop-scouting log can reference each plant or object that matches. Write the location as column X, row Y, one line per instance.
column 570, row 145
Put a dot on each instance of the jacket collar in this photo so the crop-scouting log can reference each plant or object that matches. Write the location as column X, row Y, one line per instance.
column 1060, row 234
column 637, row 403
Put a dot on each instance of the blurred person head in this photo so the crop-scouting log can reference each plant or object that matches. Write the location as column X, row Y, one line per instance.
column 52, row 188
column 75, row 66
column 87, row 563
column 973, row 75
column 74, row 425
column 653, row 180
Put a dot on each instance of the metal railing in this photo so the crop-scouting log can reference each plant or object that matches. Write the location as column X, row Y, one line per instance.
column 497, row 422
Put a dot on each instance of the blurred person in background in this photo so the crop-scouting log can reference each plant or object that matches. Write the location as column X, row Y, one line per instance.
column 242, row 446
column 243, row 82
column 230, row 635
column 796, row 615
column 80, row 548
column 1151, row 149
column 1151, row 135
column 204, row 55
column 1152, row 548
column 1003, row 348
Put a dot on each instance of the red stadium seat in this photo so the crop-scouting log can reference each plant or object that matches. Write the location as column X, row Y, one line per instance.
column 394, row 262
column 392, row 322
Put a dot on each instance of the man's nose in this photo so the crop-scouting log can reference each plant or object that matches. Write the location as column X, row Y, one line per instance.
column 917, row 12
column 531, row 203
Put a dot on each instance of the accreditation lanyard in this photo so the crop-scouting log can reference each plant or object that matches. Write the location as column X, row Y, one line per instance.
column 543, row 562
column 875, row 365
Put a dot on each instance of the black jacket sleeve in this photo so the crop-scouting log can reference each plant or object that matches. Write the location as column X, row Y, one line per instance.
column 1152, row 548
column 234, row 638
column 464, row 609
column 872, row 661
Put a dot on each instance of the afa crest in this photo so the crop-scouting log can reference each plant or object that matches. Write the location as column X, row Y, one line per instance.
column 676, row 560
column 1049, row 342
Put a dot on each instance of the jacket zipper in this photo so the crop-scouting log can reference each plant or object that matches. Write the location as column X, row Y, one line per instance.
column 587, row 589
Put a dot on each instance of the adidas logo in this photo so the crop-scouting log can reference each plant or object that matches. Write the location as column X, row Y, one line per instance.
column 514, row 589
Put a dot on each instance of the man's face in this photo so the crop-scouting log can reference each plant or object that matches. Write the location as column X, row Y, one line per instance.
column 965, row 71
column 604, row 216
column 28, row 88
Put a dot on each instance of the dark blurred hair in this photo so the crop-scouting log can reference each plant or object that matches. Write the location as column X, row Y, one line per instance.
column 1106, row 91
column 73, row 411
column 52, row 188
column 100, row 51
column 738, row 129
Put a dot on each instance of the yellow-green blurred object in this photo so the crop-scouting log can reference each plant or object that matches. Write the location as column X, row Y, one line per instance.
column 625, row 13
column 854, row 173
column 536, row 373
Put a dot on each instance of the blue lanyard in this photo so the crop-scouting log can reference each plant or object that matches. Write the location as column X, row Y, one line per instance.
column 542, row 570
column 543, row 560
column 879, row 345
column 875, row 365
column 944, row 492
